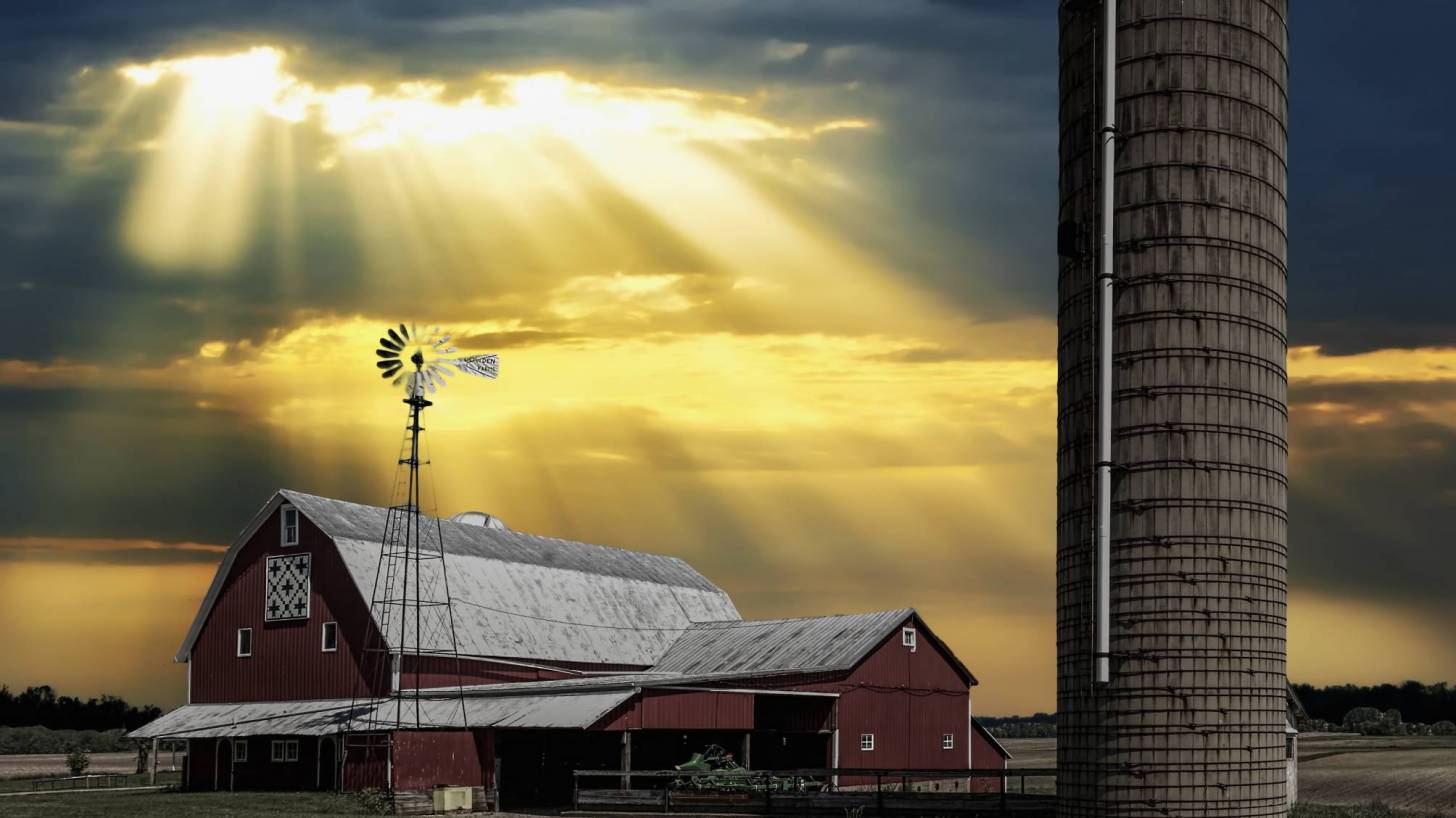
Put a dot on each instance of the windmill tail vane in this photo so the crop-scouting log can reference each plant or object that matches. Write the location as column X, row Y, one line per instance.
column 432, row 356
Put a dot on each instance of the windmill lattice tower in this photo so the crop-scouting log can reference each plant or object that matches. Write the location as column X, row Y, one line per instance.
column 415, row 637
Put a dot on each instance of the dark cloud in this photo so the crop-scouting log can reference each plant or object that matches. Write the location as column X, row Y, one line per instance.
column 1371, row 504
column 135, row 463
column 108, row 554
column 516, row 338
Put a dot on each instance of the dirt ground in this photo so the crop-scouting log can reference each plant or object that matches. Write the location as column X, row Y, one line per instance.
column 1405, row 772
column 30, row 766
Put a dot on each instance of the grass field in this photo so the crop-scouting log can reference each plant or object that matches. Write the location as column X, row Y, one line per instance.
column 168, row 804
column 1412, row 773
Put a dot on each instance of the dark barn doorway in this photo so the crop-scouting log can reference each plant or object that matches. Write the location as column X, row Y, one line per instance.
column 665, row 749
column 222, row 768
column 536, row 765
column 773, row 750
column 328, row 765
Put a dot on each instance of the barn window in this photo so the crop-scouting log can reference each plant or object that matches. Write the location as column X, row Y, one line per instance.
column 1289, row 746
column 289, row 520
column 331, row 637
column 907, row 638
column 245, row 641
column 867, row 741
column 947, row 741
column 286, row 587
column 240, row 750
column 285, row 749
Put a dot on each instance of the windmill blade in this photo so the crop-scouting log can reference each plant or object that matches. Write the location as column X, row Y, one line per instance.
column 387, row 343
column 387, row 353
column 486, row 366
column 398, row 341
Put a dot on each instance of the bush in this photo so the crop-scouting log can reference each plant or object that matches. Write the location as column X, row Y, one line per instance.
column 1443, row 728
column 374, row 801
column 78, row 760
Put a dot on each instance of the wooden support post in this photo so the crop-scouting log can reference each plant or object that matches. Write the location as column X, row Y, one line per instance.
column 626, row 783
column 156, row 751
column 747, row 761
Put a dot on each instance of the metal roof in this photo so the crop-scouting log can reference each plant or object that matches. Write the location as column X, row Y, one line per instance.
column 332, row 716
column 516, row 595
column 810, row 644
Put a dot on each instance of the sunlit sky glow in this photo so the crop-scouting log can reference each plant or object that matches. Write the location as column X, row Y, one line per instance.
column 773, row 292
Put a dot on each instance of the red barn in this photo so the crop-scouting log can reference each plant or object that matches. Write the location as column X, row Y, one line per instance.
column 576, row 656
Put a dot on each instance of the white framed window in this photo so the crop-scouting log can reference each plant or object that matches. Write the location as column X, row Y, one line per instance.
column 907, row 638
column 245, row 641
column 867, row 741
column 330, row 637
column 947, row 741
column 288, row 522
column 284, row 750
column 240, row 750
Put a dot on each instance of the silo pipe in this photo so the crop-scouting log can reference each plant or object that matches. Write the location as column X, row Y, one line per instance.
column 1103, row 637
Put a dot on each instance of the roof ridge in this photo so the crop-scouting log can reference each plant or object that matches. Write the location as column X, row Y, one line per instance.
column 446, row 521
column 739, row 623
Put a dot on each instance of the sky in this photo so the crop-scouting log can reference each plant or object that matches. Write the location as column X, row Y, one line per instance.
column 772, row 283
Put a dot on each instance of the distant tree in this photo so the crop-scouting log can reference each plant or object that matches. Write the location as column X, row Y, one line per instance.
column 1361, row 716
column 40, row 706
column 1445, row 727
column 78, row 760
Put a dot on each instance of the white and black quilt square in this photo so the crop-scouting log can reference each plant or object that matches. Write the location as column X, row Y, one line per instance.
column 287, row 588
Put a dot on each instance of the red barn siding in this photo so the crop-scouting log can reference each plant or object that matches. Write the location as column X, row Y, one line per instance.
column 985, row 756
column 908, row 700
column 365, row 766
column 684, row 710
column 426, row 758
column 288, row 661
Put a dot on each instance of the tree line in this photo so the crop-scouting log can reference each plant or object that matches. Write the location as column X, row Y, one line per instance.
column 1409, row 708
column 39, row 706
column 1418, row 703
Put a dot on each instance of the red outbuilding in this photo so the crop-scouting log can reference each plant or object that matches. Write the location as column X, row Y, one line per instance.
column 573, row 656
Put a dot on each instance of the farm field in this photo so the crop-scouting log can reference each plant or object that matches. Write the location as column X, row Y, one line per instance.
column 54, row 764
column 1412, row 773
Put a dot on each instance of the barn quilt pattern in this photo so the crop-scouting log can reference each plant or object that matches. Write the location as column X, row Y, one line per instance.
column 287, row 588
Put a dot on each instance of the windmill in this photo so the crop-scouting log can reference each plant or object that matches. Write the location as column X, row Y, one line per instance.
column 410, row 601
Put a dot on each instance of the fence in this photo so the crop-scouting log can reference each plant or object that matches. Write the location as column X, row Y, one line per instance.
column 92, row 781
column 810, row 791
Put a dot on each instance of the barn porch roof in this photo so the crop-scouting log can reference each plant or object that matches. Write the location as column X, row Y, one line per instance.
column 333, row 716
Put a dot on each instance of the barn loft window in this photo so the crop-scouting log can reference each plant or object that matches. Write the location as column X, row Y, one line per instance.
column 289, row 521
column 285, row 750
column 240, row 750
column 331, row 637
column 245, row 641
column 907, row 638
column 947, row 741
column 286, row 587
column 867, row 741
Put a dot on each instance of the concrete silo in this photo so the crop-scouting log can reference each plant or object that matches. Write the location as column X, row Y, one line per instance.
column 1190, row 719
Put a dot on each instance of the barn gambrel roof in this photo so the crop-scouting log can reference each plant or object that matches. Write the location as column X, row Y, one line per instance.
column 515, row 595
